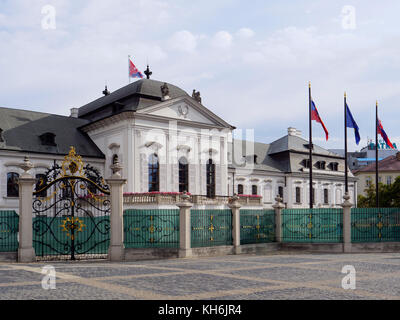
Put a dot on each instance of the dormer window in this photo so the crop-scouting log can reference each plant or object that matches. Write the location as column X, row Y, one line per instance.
column 306, row 163
column 48, row 139
column 1, row 135
column 321, row 165
column 334, row 166
column 255, row 159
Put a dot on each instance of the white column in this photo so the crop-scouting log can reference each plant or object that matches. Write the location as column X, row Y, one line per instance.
column 116, row 183
column 130, row 156
column 346, row 205
column 26, row 252
column 235, row 207
column 185, row 249
column 278, row 206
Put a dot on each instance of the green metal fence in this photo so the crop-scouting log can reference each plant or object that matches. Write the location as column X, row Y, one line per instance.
column 158, row 228
column 9, row 222
column 211, row 228
column 51, row 236
column 257, row 226
column 312, row 225
column 375, row 224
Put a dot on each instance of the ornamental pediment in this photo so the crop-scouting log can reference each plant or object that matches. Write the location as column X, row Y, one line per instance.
column 185, row 109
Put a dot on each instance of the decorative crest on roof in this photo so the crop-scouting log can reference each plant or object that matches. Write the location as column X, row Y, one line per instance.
column 147, row 72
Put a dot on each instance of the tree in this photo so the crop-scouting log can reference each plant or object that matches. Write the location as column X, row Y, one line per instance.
column 389, row 196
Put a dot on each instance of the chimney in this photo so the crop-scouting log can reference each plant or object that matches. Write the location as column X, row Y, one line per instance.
column 74, row 112
column 294, row 132
column 291, row 131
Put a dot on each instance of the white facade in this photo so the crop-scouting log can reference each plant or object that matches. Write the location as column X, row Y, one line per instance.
column 171, row 133
column 176, row 128
column 268, row 188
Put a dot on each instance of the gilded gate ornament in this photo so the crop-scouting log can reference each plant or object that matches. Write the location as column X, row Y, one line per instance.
column 71, row 226
column 72, row 163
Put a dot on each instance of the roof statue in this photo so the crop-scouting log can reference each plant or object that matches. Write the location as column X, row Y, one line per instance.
column 165, row 92
column 106, row 92
column 196, row 96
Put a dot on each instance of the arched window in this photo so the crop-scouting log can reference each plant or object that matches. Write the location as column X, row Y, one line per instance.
column 240, row 189
column 326, row 196
column 183, row 175
column 154, row 173
column 12, row 184
column 40, row 184
column 298, row 195
column 254, row 190
column 210, row 179
column 280, row 191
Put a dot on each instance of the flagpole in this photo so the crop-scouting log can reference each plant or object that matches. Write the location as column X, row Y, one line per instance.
column 376, row 157
column 310, row 143
column 346, row 188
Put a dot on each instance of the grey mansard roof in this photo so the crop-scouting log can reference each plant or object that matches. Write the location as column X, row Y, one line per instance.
column 21, row 130
column 296, row 144
column 264, row 161
column 283, row 155
column 137, row 95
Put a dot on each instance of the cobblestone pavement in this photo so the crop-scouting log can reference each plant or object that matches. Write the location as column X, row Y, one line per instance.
column 241, row 277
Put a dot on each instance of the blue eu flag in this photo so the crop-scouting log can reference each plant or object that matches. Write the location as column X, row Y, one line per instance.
column 350, row 123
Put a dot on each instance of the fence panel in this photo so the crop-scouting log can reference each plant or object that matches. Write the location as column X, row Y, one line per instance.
column 312, row 225
column 158, row 228
column 211, row 228
column 375, row 224
column 52, row 237
column 9, row 225
column 257, row 226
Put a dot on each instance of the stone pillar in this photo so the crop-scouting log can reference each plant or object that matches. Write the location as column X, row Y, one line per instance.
column 116, row 250
column 26, row 253
column 278, row 206
column 346, row 205
column 235, row 207
column 185, row 248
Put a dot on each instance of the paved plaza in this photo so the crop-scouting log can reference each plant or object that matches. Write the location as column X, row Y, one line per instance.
column 240, row 277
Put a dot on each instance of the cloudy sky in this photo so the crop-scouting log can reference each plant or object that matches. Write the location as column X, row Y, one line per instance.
column 251, row 60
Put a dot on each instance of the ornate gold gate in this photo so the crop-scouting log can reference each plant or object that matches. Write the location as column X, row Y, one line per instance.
column 71, row 212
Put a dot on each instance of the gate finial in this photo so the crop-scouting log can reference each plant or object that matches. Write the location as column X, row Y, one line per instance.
column 26, row 166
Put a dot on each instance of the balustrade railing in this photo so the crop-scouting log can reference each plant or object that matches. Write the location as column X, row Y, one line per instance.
column 173, row 198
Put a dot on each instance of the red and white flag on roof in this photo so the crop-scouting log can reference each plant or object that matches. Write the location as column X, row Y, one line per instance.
column 133, row 71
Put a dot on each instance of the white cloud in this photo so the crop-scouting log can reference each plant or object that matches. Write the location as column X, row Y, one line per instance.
column 246, row 33
column 222, row 39
column 183, row 41
column 265, row 74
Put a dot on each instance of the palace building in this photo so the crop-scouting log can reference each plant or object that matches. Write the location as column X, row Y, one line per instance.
column 168, row 141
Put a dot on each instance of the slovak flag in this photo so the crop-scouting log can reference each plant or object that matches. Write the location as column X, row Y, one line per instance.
column 133, row 71
column 315, row 116
column 383, row 134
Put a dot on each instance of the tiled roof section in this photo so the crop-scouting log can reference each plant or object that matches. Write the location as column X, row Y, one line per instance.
column 135, row 96
column 295, row 143
column 244, row 150
column 22, row 130
column 391, row 163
